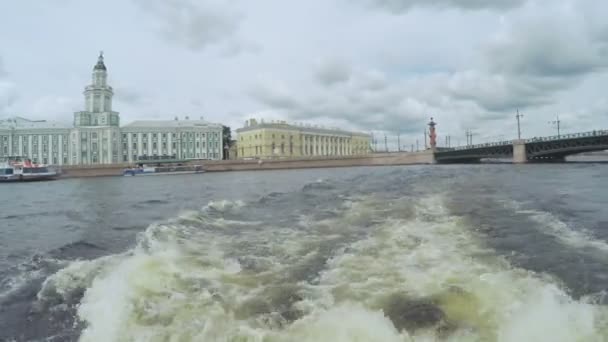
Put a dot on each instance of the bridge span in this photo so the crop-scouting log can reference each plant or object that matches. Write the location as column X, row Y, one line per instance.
column 553, row 148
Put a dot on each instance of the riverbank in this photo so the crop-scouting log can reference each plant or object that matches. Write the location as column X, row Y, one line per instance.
column 377, row 159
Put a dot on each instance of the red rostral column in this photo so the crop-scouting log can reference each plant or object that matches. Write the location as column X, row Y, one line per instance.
column 432, row 134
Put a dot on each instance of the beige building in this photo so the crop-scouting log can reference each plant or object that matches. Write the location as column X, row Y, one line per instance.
column 279, row 139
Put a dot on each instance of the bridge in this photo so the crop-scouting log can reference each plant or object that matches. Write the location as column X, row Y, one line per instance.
column 553, row 148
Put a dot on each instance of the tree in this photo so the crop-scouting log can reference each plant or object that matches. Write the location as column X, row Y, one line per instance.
column 226, row 139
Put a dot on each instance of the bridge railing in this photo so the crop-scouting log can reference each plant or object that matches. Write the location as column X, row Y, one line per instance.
column 597, row 133
column 471, row 147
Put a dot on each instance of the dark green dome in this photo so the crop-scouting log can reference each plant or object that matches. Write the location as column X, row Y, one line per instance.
column 100, row 65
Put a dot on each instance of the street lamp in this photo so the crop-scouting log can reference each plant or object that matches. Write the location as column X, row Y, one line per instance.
column 518, row 116
column 556, row 122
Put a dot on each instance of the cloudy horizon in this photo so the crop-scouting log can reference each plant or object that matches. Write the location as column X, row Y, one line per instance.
column 382, row 66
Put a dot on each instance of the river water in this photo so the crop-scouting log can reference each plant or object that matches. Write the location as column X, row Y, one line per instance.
column 422, row 253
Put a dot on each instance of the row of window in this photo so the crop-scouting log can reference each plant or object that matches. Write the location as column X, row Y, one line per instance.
column 24, row 138
column 25, row 149
column 212, row 144
column 306, row 137
column 214, row 135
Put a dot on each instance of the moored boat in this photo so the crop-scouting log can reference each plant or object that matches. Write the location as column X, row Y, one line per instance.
column 144, row 170
column 17, row 169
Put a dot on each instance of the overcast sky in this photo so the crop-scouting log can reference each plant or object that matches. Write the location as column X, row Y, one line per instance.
column 371, row 65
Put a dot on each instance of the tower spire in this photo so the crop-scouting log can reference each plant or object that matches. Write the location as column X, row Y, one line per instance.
column 100, row 65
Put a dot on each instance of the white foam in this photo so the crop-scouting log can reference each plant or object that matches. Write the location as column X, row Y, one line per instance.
column 76, row 275
column 553, row 225
column 185, row 284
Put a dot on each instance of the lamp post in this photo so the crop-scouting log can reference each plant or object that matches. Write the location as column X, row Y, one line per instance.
column 398, row 142
column 557, row 123
column 518, row 116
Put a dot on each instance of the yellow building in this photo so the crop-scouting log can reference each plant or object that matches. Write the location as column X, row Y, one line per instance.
column 282, row 140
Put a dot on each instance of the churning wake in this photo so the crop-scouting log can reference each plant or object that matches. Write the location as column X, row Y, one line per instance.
column 321, row 264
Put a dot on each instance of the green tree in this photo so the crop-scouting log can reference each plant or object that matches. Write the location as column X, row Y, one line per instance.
column 226, row 139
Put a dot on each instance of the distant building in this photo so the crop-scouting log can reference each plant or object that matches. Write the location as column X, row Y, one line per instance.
column 181, row 139
column 97, row 138
column 42, row 141
column 282, row 140
column 233, row 152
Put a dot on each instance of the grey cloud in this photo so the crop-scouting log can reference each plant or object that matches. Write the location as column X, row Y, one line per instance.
column 530, row 63
column 333, row 72
column 388, row 109
column 501, row 93
column 400, row 6
column 8, row 97
column 193, row 24
column 3, row 72
column 274, row 95
column 547, row 48
column 127, row 95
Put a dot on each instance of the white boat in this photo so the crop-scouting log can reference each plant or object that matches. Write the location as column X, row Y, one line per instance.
column 144, row 170
column 17, row 169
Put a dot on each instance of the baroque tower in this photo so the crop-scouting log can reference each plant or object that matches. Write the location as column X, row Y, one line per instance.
column 95, row 137
column 98, row 100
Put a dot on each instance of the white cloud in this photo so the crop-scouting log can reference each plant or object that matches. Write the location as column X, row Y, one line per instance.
column 470, row 64
column 198, row 25
column 399, row 6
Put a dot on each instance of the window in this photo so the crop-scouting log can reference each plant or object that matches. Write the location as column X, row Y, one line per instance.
column 124, row 146
column 164, row 145
column 174, row 145
column 145, row 136
column 145, row 146
column 164, row 135
column 154, row 145
column 197, row 145
column 94, row 146
column 134, row 135
column 135, row 146
column 124, row 136
column 65, row 160
column 94, row 135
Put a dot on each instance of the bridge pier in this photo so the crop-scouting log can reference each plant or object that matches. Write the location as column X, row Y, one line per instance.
column 519, row 152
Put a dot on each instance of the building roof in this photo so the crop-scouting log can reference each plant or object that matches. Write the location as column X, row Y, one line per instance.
column 19, row 123
column 170, row 123
column 255, row 125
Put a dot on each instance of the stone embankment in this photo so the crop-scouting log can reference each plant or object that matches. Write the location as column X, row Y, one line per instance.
column 376, row 159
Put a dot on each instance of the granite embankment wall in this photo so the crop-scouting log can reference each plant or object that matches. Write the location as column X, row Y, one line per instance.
column 377, row 159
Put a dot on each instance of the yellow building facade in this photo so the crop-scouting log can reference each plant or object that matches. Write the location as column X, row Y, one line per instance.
column 282, row 140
